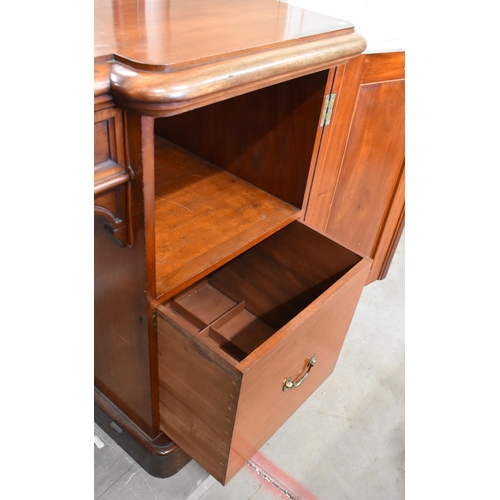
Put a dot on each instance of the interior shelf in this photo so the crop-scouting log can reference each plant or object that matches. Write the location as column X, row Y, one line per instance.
column 205, row 216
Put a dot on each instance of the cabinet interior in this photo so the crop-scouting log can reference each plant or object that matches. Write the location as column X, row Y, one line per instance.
column 229, row 175
column 241, row 305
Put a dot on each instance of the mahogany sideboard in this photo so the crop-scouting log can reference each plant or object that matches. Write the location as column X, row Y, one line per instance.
column 248, row 183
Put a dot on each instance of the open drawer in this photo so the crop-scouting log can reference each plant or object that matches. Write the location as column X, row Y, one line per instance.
column 242, row 349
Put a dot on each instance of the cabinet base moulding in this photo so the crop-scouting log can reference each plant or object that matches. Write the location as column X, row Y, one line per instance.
column 158, row 456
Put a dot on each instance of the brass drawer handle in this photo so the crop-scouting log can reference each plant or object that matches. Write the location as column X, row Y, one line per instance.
column 290, row 384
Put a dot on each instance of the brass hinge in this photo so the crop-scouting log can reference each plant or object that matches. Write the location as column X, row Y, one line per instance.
column 326, row 114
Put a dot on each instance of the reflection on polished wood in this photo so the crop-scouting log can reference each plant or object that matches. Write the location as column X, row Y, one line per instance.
column 144, row 35
column 212, row 51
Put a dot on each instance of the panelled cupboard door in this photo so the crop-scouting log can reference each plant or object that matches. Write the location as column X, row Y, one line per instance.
column 357, row 195
column 240, row 351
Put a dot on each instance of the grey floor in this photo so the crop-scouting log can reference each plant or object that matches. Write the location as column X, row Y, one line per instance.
column 345, row 442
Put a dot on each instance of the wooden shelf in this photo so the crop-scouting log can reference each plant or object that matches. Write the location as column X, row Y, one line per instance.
column 204, row 217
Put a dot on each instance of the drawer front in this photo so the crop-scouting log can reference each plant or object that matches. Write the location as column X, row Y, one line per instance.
column 111, row 197
column 319, row 331
column 227, row 347
column 101, row 142
column 108, row 138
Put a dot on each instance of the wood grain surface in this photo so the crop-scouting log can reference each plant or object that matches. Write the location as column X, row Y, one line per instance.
column 198, row 394
column 371, row 166
column 166, row 58
column 357, row 195
column 204, row 216
column 320, row 329
column 265, row 137
column 283, row 274
column 185, row 33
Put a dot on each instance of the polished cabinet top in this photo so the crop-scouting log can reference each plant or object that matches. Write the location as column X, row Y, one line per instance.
column 179, row 33
column 164, row 57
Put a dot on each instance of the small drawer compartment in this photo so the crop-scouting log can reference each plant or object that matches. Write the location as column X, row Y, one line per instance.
column 108, row 138
column 242, row 349
column 109, row 150
column 225, row 325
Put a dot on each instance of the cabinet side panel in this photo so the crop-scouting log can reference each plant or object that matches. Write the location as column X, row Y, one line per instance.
column 121, row 346
column 198, row 397
column 390, row 234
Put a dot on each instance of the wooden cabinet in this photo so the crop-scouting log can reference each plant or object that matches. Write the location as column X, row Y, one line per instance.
column 357, row 196
column 220, row 298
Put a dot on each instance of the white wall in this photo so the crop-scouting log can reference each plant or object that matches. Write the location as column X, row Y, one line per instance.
column 381, row 22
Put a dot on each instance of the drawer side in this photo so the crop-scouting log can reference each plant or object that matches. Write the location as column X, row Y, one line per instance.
column 108, row 139
column 197, row 409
